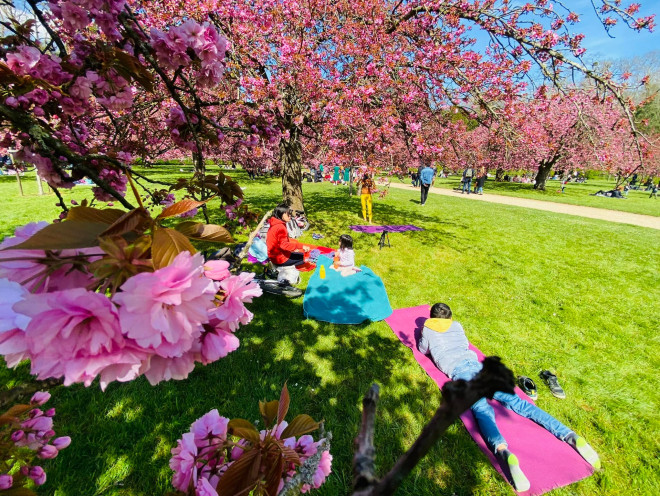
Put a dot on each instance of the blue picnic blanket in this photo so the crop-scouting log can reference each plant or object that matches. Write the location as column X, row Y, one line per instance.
column 345, row 300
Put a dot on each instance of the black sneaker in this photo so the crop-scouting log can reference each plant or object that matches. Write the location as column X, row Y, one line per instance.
column 528, row 387
column 551, row 380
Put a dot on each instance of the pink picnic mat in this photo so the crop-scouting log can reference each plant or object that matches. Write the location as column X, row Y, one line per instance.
column 547, row 462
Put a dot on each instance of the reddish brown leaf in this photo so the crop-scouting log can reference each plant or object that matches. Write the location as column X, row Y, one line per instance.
column 236, row 480
column 14, row 412
column 63, row 236
column 289, row 455
column 269, row 411
column 136, row 220
column 204, row 232
column 167, row 244
column 244, row 429
column 300, row 425
column 274, row 475
column 88, row 214
column 179, row 208
column 284, row 404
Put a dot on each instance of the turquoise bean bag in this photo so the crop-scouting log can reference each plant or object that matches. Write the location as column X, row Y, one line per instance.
column 345, row 300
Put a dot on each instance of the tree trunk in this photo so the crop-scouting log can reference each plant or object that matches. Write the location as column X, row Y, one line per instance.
column 291, row 164
column 499, row 174
column 200, row 171
column 542, row 175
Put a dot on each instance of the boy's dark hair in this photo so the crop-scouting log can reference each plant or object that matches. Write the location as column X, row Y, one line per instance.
column 345, row 241
column 280, row 210
column 440, row 311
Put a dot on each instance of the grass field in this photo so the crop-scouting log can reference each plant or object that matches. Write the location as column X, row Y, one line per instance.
column 541, row 290
column 638, row 202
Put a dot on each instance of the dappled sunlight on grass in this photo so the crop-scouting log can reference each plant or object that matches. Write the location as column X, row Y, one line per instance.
column 541, row 290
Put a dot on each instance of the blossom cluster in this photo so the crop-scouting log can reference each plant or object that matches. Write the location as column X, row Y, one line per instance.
column 101, row 71
column 25, row 436
column 203, row 455
column 158, row 324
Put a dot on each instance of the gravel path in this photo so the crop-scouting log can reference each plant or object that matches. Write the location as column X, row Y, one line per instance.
column 560, row 208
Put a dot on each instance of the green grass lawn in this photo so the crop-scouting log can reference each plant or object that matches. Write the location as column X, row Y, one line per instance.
column 541, row 290
column 638, row 202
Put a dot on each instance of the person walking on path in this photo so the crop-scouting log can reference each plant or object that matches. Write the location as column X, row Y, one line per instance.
column 367, row 187
column 481, row 180
column 467, row 179
column 427, row 179
column 347, row 174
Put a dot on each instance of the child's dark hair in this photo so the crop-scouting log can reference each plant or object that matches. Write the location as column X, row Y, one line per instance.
column 440, row 311
column 345, row 242
column 280, row 210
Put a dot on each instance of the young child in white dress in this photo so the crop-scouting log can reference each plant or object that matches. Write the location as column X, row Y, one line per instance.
column 345, row 257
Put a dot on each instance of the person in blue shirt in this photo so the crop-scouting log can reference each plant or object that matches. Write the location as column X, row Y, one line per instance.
column 426, row 179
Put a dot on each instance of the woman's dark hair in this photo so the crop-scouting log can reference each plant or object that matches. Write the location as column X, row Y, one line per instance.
column 440, row 311
column 345, row 241
column 280, row 210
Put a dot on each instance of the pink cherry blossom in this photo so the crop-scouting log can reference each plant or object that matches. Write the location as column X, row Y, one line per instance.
column 74, row 17
column 6, row 481
column 216, row 269
column 183, row 462
column 62, row 442
column 204, row 488
column 217, row 341
column 238, row 289
column 76, row 334
column 164, row 310
column 39, row 398
column 38, row 475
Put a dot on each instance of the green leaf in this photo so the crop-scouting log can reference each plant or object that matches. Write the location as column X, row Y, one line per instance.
column 300, row 425
column 167, row 244
column 89, row 214
column 204, row 232
column 244, row 429
column 179, row 208
column 63, row 236
column 284, row 404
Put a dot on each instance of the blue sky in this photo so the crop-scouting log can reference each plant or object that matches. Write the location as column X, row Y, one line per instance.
column 625, row 42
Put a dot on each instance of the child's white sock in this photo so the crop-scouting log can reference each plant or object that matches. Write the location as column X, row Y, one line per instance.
column 581, row 445
column 520, row 481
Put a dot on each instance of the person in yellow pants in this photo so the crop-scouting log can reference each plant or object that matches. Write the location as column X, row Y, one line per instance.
column 367, row 186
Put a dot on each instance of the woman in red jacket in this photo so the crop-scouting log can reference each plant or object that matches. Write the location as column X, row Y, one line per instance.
column 283, row 251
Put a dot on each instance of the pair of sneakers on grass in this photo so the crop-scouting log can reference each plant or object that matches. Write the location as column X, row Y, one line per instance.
column 529, row 388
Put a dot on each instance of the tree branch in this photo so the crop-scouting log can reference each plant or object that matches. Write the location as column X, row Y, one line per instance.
column 457, row 396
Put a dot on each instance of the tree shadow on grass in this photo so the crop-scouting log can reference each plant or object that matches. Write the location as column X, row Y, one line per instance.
column 122, row 438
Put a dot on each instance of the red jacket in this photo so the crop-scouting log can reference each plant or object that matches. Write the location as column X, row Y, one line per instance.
column 279, row 245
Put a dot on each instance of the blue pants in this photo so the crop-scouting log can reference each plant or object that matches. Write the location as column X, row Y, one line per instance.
column 466, row 185
column 485, row 415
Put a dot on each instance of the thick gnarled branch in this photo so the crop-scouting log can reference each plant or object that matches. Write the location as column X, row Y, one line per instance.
column 457, row 396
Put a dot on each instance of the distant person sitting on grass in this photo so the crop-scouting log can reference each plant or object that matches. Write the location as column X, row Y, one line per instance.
column 447, row 344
